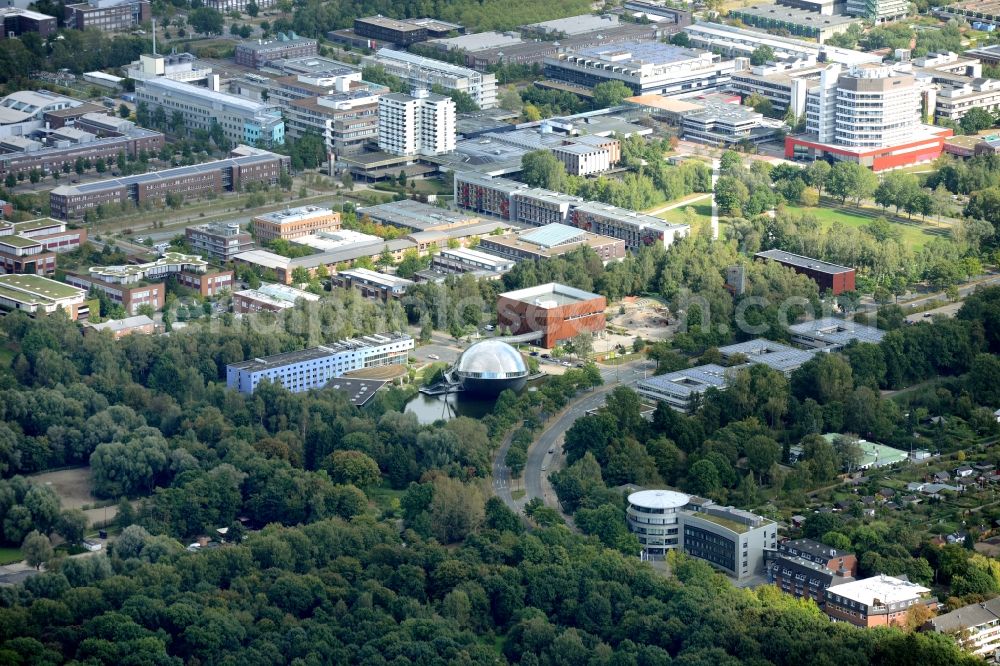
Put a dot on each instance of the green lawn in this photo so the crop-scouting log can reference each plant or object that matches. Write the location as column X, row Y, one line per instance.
column 10, row 555
column 913, row 234
column 385, row 498
column 6, row 356
column 702, row 210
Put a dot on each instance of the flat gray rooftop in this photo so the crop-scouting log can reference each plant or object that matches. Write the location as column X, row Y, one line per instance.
column 801, row 17
column 166, row 174
column 315, row 353
column 837, row 331
column 800, row 261
column 551, row 293
column 655, row 53
column 358, row 391
column 690, row 380
column 575, row 25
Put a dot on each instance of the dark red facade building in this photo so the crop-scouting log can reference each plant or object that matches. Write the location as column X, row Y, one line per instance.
column 837, row 279
column 555, row 311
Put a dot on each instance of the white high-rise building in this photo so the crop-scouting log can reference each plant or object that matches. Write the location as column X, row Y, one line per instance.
column 418, row 124
column 866, row 106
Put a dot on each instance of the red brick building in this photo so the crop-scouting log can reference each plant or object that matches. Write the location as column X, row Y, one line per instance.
column 837, row 279
column 805, row 568
column 554, row 310
column 879, row 601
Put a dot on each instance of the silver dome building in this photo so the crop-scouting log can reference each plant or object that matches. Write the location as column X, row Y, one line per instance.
column 489, row 367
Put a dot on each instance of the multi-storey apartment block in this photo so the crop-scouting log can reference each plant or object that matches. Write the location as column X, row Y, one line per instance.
column 421, row 124
column 517, row 202
column 348, row 122
column 805, row 568
column 636, row 229
column 976, row 627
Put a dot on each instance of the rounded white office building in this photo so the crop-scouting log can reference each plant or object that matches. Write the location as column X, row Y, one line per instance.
column 653, row 518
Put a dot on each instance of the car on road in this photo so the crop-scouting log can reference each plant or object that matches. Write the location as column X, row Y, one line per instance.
column 928, row 314
column 534, row 353
column 434, row 357
column 567, row 364
column 552, row 450
column 546, row 356
column 545, row 467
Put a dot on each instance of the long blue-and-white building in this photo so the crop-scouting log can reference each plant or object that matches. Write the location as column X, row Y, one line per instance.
column 312, row 368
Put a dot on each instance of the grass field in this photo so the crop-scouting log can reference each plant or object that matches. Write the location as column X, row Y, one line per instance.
column 10, row 555
column 6, row 356
column 914, row 234
column 702, row 211
column 385, row 498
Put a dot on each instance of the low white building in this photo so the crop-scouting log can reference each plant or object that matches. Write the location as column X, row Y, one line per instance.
column 581, row 159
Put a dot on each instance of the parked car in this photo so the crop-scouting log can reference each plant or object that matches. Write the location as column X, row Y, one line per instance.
column 434, row 357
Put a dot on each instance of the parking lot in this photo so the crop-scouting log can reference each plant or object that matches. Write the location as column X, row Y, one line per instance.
column 427, row 353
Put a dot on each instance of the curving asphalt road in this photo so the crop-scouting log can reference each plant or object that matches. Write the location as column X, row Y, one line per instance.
column 540, row 462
